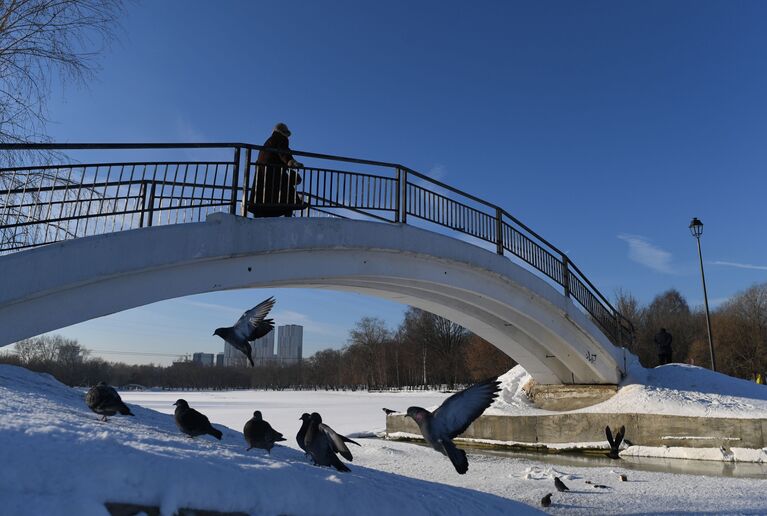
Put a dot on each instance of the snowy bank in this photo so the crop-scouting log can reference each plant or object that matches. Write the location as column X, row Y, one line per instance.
column 674, row 389
column 59, row 459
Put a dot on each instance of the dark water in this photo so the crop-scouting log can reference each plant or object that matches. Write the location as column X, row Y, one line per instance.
column 585, row 460
column 680, row 466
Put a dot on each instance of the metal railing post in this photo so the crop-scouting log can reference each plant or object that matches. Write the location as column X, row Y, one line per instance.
column 150, row 215
column 397, row 196
column 403, row 203
column 142, row 194
column 566, row 274
column 235, row 181
column 499, row 231
column 245, row 184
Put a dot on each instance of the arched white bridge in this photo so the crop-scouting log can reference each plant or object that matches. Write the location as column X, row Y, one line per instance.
column 64, row 283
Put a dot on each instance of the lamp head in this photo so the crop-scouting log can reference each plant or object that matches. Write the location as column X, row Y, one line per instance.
column 696, row 227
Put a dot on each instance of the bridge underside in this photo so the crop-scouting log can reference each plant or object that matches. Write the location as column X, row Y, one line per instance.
column 516, row 311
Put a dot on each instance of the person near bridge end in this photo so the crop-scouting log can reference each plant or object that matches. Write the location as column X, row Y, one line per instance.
column 274, row 186
column 663, row 344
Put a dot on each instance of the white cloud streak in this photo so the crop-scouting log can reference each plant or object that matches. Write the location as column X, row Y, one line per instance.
column 741, row 265
column 642, row 251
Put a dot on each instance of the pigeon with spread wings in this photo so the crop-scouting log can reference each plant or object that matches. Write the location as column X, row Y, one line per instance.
column 453, row 417
column 251, row 326
column 322, row 443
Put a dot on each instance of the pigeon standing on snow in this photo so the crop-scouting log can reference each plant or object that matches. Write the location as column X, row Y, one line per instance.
column 260, row 434
column 322, row 443
column 305, row 419
column 561, row 487
column 192, row 423
column 250, row 326
column 104, row 400
column 546, row 500
column 615, row 444
column 453, row 417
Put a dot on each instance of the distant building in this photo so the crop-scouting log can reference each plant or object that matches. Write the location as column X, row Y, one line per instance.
column 263, row 349
column 290, row 344
column 204, row 359
column 219, row 360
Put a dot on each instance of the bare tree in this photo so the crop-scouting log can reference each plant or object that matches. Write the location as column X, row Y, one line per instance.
column 50, row 348
column 483, row 360
column 40, row 39
column 368, row 341
column 740, row 332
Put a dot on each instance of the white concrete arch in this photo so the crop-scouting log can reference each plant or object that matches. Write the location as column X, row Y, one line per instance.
column 62, row 284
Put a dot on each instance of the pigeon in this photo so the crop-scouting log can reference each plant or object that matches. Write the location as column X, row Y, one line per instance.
column 192, row 423
column 623, row 478
column 305, row 418
column 561, row 487
column 104, row 400
column 453, row 417
column 260, row 434
column 616, row 443
column 388, row 411
column 322, row 443
column 250, row 326
column 546, row 500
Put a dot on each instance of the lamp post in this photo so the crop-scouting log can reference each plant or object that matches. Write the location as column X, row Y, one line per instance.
column 696, row 228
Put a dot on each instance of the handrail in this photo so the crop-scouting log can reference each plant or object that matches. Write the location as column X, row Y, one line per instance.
column 41, row 204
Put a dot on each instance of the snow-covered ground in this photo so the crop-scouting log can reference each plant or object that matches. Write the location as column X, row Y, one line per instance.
column 678, row 389
column 57, row 458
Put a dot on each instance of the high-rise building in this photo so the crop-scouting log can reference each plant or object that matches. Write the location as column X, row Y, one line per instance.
column 290, row 344
column 263, row 349
column 219, row 359
column 204, row 359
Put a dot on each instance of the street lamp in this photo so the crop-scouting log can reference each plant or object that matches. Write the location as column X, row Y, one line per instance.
column 696, row 228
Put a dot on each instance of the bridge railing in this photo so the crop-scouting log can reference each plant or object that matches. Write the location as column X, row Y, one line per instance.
column 83, row 196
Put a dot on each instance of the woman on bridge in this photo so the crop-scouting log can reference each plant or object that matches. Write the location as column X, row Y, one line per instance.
column 274, row 186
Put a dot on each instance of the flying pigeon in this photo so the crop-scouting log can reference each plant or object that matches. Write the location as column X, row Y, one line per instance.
column 192, row 423
column 453, row 417
column 260, row 434
column 250, row 326
column 388, row 411
column 104, row 400
column 305, row 418
column 322, row 443
column 546, row 500
column 615, row 444
column 561, row 487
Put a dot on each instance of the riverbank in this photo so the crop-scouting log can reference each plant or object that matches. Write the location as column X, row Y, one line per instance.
column 673, row 411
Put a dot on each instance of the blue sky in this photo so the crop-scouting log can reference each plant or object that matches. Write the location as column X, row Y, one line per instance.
column 605, row 126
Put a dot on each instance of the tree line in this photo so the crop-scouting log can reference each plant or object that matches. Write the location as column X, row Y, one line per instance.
column 739, row 330
column 426, row 351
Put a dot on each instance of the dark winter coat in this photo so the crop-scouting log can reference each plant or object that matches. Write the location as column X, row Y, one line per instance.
column 663, row 341
column 274, row 184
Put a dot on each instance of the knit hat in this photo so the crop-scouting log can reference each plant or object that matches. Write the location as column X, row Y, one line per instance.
column 282, row 129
